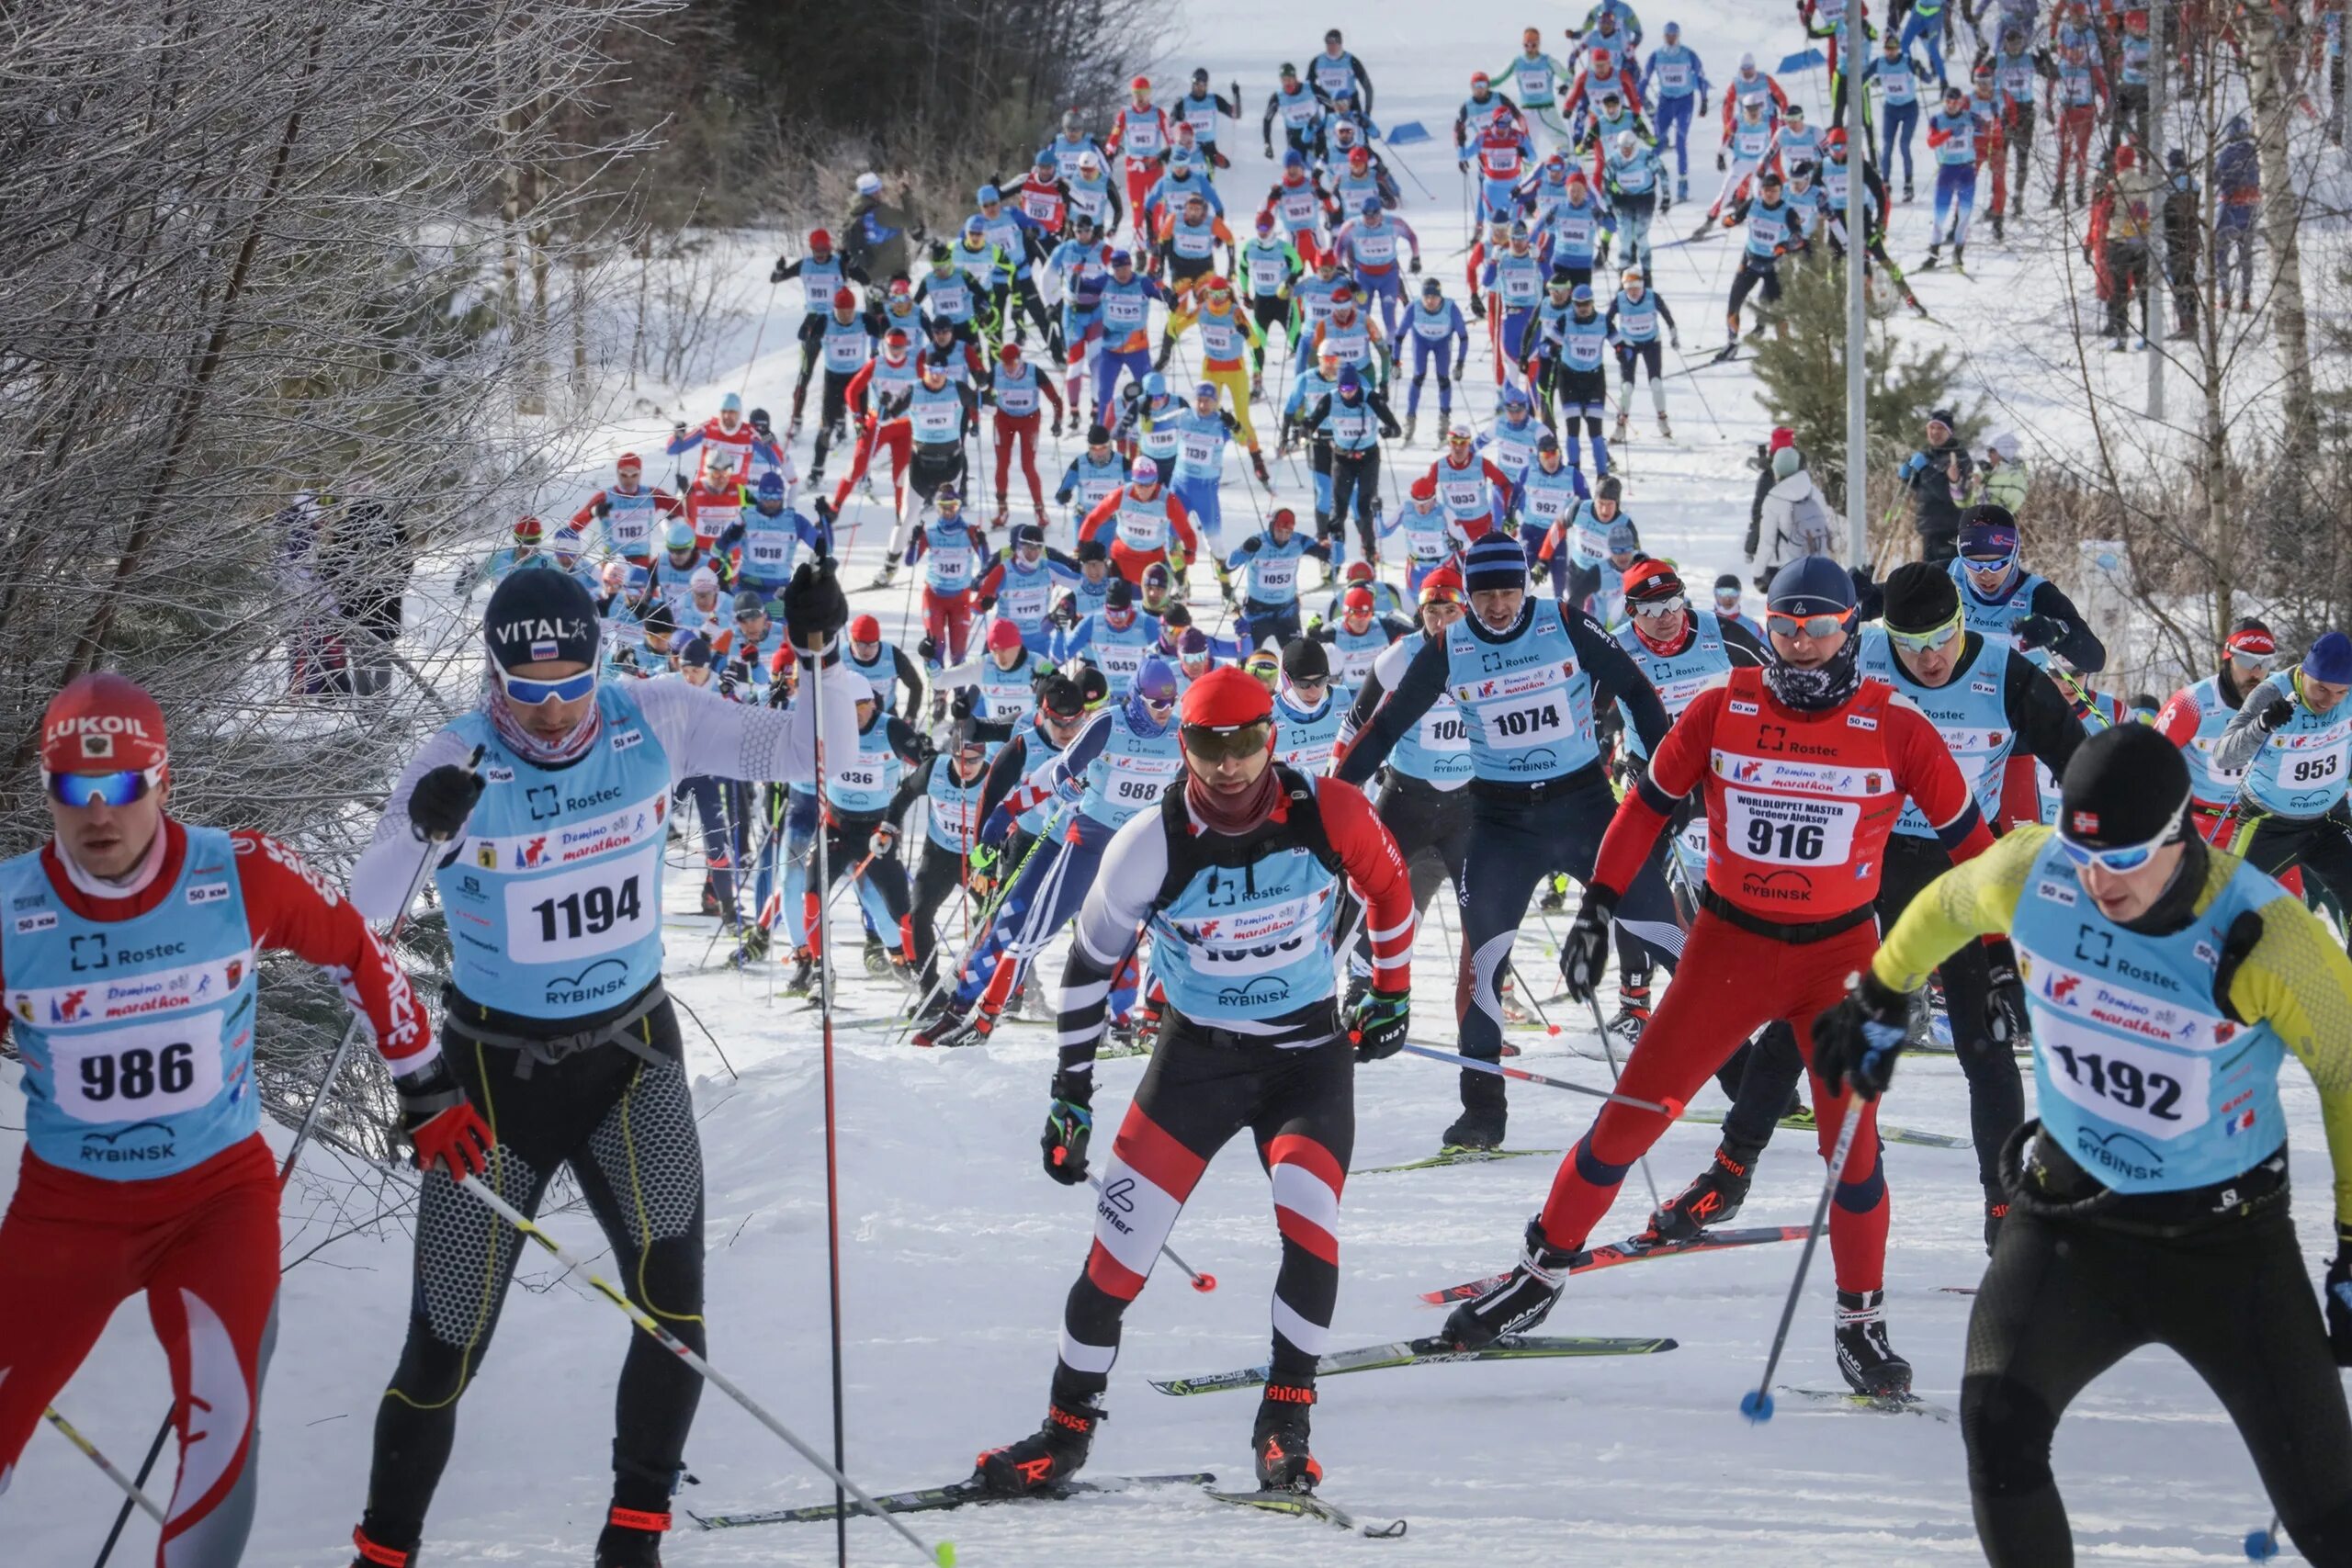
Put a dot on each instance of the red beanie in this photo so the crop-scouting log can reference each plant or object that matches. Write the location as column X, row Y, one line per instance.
column 102, row 723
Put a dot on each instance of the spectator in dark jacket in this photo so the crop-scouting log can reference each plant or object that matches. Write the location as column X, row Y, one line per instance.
column 1936, row 476
column 879, row 236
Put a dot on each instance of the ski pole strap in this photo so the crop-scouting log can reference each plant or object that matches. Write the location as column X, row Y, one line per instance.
column 549, row 1050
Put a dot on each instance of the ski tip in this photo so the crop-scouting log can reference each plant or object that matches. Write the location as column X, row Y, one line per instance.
column 1205, row 1283
column 2261, row 1546
column 1756, row 1406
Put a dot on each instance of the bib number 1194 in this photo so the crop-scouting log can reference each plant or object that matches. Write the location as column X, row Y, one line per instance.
column 588, row 911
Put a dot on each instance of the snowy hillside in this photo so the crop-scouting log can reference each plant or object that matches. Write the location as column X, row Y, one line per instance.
column 958, row 1251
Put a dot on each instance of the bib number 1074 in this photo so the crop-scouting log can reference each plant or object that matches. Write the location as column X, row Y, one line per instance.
column 588, row 911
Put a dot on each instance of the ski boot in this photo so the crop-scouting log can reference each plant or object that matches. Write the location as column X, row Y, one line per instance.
column 1996, row 226
column 631, row 1539
column 1052, row 1454
column 1280, row 1438
column 1555, row 894
column 1411, row 422
column 1258, row 467
column 2080, row 199
column 1126, row 1039
column 1633, row 1014
column 1623, row 418
column 752, row 949
column 804, row 972
column 1003, row 512
column 1665, row 431
column 946, row 1029
column 1682, row 187
column 1257, row 389
column 1959, row 257
column 877, row 957
column 710, row 904
column 1907, row 192
column 1870, row 1363
column 1480, row 1125
column 1712, row 1198
column 1935, row 258
column 889, row 570
column 1521, row 1301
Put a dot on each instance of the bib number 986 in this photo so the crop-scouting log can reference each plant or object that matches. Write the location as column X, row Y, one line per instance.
column 137, row 1073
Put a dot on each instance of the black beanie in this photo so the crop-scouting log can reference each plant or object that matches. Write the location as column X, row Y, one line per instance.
column 1920, row 597
column 538, row 615
column 2125, row 786
column 1305, row 659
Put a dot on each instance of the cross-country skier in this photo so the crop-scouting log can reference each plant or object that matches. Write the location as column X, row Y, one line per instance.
column 2194, row 717
column 557, row 1027
column 1795, row 839
column 1240, row 875
column 2292, row 736
column 1527, row 678
column 2166, row 983
column 131, row 973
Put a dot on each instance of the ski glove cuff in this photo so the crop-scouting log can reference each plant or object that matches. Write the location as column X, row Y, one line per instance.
column 1856, row 1043
column 1069, row 1124
column 442, row 1124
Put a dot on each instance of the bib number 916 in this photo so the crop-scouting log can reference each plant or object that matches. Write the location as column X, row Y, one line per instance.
column 137, row 1073
column 1793, row 840
column 588, row 911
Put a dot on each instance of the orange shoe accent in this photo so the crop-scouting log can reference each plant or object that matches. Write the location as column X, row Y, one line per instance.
column 382, row 1556
column 632, row 1518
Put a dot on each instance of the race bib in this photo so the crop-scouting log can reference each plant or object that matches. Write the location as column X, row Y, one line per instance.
column 1782, row 830
column 162, row 1067
column 2156, row 1094
column 1275, row 577
column 1528, row 709
column 585, row 911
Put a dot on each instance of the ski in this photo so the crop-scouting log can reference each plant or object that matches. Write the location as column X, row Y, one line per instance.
column 1634, row 1249
column 1308, row 1505
column 1805, row 1124
column 1425, row 1352
column 955, row 1495
column 1884, row 1404
column 1454, row 1155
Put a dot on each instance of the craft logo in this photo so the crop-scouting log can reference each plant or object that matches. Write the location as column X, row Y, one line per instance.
column 68, row 1008
column 531, row 853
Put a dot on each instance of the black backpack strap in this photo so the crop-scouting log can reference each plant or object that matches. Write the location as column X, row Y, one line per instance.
column 1307, row 819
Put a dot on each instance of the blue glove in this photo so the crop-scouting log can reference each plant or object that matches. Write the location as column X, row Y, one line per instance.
column 1856, row 1041
column 998, row 828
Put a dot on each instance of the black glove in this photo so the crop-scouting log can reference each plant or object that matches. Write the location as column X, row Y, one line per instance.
column 928, row 650
column 2005, row 1016
column 1070, row 1123
column 1719, row 162
column 1583, row 951
column 775, row 273
column 2339, row 1298
column 1856, row 1042
column 603, row 510
column 1378, row 1026
column 961, row 709
column 2276, row 712
column 815, row 608
column 442, row 800
column 2037, row 631
column 1065, row 612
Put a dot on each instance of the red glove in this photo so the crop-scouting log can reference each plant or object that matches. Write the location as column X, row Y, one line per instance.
column 443, row 1125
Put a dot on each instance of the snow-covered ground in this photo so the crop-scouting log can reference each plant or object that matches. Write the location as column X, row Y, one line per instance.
column 958, row 1251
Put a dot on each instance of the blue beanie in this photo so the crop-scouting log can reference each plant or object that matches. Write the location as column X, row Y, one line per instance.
column 1813, row 586
column 1495, row 561
column 2330, row 660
